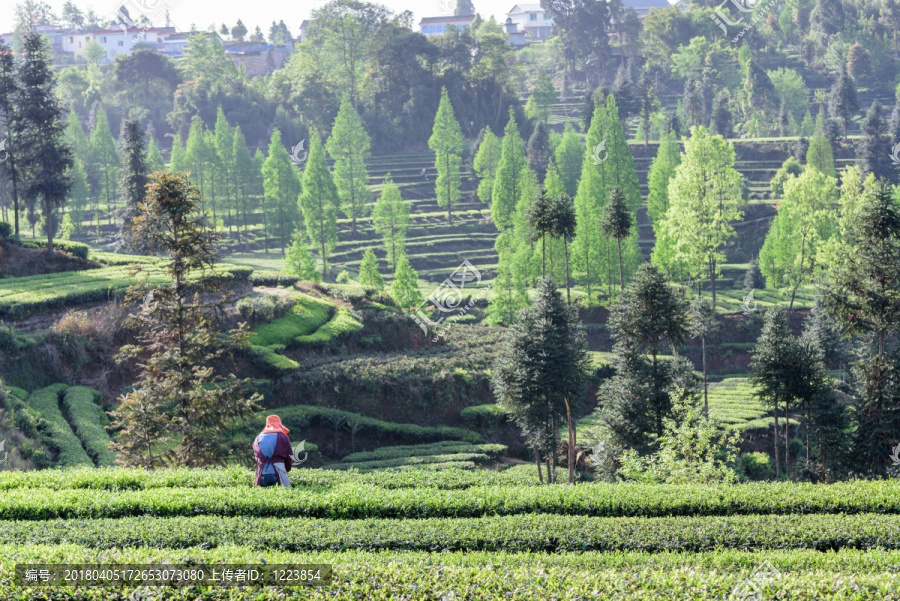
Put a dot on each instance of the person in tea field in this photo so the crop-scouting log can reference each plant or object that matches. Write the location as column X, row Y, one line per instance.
column 272, row 449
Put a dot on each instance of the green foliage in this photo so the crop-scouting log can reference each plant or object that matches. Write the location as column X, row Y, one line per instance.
column 542, row 98
column 305, row 317
column 447, row 143
column 790, row 168
column 481, row 416
column 281, row 188
column 390, row 218
column 819, row 155
column 273, row 278
column 405, row 287
column 369, row 275
column 568, row 158
column 343, row 322
column 487, row 159
column 790, row 89
column 299, row 260
column 319, row 202
column 88, row 421
column 843, row 101
column 349, row 146
column 58, row 434
column 507, row 190
column 662, row 169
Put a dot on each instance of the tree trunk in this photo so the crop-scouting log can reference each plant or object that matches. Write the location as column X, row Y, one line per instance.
column 324, row 262
column 15, row 190
column 571, row 457
column 621, row 271
column 48, row 217
column 705, row 385
column 537, row 462
column 543, row 255
column 712, row 280
column 775, row 437
column 787, row 446
column 568, row 295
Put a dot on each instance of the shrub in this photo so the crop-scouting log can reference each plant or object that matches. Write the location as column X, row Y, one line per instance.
column 89, row 421
column 5, row 231
column 58, row 434
column 305, row 317
column 73, row 248
column 273, row 278
column 757, row 466
column 267, row 359
column 263, row 308
column 343, row 277
column 484, row 416
column 342, row 323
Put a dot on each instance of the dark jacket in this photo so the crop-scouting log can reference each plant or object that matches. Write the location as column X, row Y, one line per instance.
column 269, row 448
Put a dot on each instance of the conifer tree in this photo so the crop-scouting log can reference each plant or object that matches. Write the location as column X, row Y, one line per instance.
column 875, row 151
column 564, row 226
column 568, row 158
column 134, row 182
column 350, row 147
column 105, row 157
column 509, row 292
column 843, row 101
column 617, row 224
column 223, row 149
column 405, row 286
column 542, row 98
column 9, row 109
column 506, row 190
column 542, row 364
column 391, row 219
column 790, row 168
column 299, row 260
column 319, row 201
column 819, row 154
column 281, row 187
column 155, row 161
column 196, row 159
column 538, row 151
column 487, row 159
column 369, row 276
column 245, row 172
column 176, row 158
column 446, row 141
column 648, row 103
column 668, row 157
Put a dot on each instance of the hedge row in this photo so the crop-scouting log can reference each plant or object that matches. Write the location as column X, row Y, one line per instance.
column 57, row 433
column 139, row 479
column 341, row 323
column 89, row 421
column 307, row 316
column 435, row 448
column 805, row 575
column 357, row 499
column 410, row 461
column 73, row 248
column 519, row 533
column 273, row 278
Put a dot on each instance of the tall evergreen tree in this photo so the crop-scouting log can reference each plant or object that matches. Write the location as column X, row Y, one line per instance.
column 446, row 141
column 843, row 101
column 542, row 98
column 722, row 119
column 662, row 169
column 245, row 172
column 564, row 227
column 542, row 364
column 350, row 147
column 506, row 184
column 369, row 275
column 538, row 151
column 617, row 224
column 43, row 156
column 9, row 109
column 155, row 160
column 281, row 188
column 487, row 159
column 569, row 157
column 223, row 148
column 875, row 151
column 134, row 182
column 648, row 103
column 299, row 260
column 105, row 157
column 319, row 201
column 648, row 316
column 79, row 195
column 196, row 159
column 176, row 156
column 405, row 285
column 819, row 155
column 509, row 292
column 391, row 219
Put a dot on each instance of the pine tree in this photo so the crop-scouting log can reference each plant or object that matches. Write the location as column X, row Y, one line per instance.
column 391, row 219
column 859, row 63
column 405, row 286
column 638, row 399
column 239, row 31
column 155, row 161
column 703, row 324
column 105, row 157
column 509, row 292
column 79, row 195
column 176, row 157
column 843, row 101
column 506, row 190
column 875, row 151
column 245, row 172
column 281, row 188
column 564, row 225
column 568, row 157
column 486, row 162
column 464, row 8
column 319, row 201
column 538, row 151
column 648, row 103
column 223, row 148
column 299, row 260
column 704, row 199
column 446, row 141
column 350, row 147
column 9, row 108
column 134, row 182
column 616, row 223
column 43, row 157
column 196, row 159
column 819, row 154
column 369, row 276
column 620, row 165
column 753, row 277
column 777, row 372
column 668, row 157
column 542, row 365
column 722, row 118
column 542, row 98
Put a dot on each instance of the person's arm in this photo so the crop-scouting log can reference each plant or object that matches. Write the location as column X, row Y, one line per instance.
column 284, row 451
